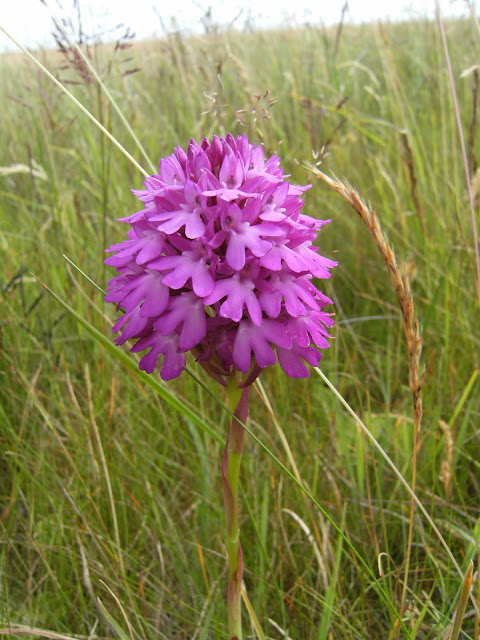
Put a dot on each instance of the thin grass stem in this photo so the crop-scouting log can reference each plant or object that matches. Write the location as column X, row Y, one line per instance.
column 462, row 144
column 396, row 471
column 104, row 88
column 76, row 102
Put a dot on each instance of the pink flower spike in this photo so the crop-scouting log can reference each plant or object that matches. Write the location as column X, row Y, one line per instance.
column 220, row 261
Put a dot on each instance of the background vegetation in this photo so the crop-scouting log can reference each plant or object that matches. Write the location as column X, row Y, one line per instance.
column 110, row 498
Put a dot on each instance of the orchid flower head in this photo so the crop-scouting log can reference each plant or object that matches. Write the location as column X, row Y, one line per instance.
column 220, row 262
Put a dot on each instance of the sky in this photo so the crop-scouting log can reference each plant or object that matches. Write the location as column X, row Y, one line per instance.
column 30, row 23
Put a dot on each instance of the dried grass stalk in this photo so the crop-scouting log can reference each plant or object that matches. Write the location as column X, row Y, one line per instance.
column 403, row 291
column 412, row 178
column 401, row 284
column 446, row 471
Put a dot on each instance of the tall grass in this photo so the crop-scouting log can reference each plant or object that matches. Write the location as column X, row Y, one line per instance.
column 110, row 510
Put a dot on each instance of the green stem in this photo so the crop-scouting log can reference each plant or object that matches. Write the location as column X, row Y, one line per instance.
column 232, row 457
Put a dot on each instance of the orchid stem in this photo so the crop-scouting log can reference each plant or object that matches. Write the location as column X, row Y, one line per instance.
column 232, row 457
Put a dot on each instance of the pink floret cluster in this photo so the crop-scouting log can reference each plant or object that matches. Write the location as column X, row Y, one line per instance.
column 220, row 262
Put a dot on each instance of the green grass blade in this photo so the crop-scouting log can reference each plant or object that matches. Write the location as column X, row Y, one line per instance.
column 130, row 364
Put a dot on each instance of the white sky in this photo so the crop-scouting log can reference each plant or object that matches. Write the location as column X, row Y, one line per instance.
column 30, row 23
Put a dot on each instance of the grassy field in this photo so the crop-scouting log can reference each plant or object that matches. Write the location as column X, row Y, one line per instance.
column 110, row 498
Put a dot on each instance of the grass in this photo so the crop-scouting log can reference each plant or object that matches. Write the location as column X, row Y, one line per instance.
column 110, row 495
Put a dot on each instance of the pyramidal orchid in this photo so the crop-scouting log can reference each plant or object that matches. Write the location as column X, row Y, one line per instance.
column 220, row 262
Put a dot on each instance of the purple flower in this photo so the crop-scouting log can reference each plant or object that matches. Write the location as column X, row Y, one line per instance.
column 220, row 262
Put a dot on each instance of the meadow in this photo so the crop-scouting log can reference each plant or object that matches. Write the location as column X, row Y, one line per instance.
column 111, row 515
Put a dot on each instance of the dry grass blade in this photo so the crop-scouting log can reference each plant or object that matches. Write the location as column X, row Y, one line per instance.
column 462, row 603
column 472, row 161
column 446, row 473
column 476, row 183
column 19, row 629
column 253, row 616
column 462, row 144
column 412, row 178
column 401, row 285
column 476, row 633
